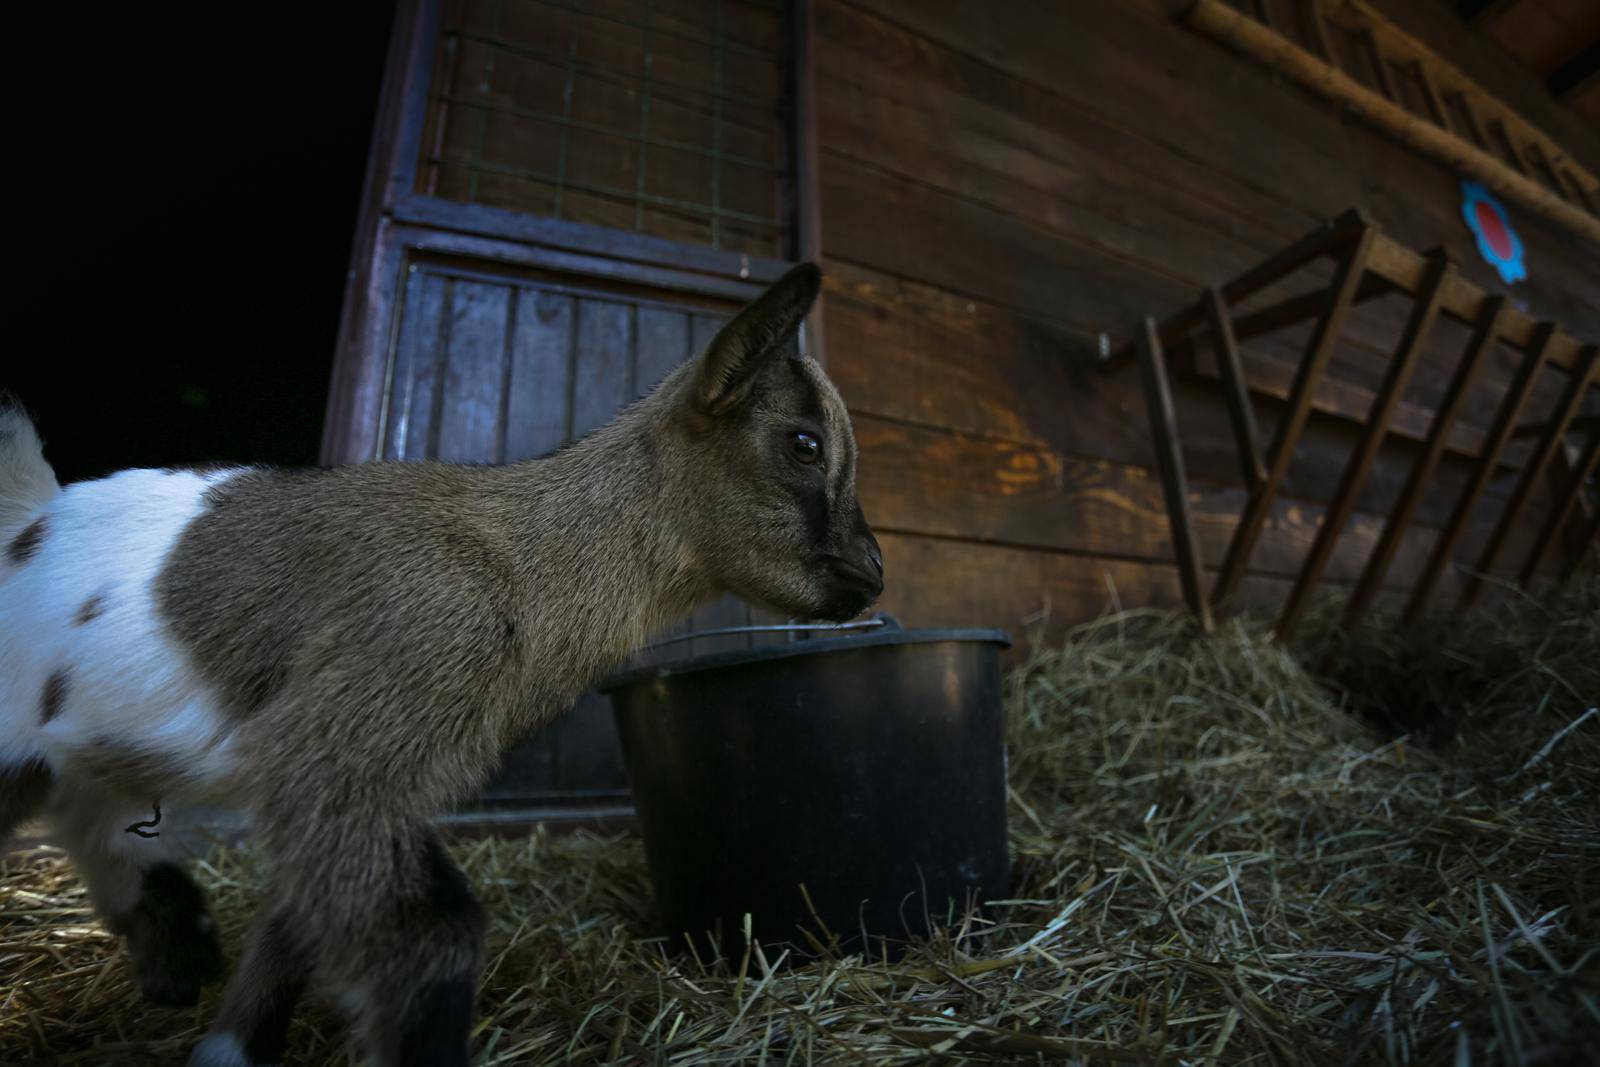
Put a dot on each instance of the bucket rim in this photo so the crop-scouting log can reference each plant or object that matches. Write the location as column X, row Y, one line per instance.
column 740, row 657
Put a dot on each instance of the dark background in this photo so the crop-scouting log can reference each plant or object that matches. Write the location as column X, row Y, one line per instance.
column 197, row 172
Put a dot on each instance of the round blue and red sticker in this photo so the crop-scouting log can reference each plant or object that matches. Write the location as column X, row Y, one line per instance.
column 1488, row 220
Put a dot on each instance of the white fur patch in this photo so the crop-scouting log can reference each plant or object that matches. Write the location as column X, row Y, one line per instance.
column 128, row 683
column 221, row 1050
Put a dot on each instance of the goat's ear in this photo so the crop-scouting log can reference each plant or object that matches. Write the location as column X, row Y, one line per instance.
column 729, row 363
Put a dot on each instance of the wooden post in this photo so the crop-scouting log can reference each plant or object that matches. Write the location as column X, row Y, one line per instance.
column 1174, row 482
column 1483, row 341
column 1590, row 542
column 1531, row 473
column 1293, row 420
column 1505, row 421
column 1412, row 341
column 1566, row 499
column 1236, row 390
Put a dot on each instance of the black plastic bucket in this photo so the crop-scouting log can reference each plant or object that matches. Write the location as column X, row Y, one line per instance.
column 869, row 770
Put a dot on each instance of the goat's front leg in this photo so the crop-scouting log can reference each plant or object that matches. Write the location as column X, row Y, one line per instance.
column 388, row 921
column 254, row 1023
column 142, row 892
column 417, row 1011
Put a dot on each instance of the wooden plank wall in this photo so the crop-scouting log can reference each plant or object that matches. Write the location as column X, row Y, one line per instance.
column 998, row 189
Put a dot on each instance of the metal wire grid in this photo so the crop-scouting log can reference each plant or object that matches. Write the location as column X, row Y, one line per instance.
column 645, row 83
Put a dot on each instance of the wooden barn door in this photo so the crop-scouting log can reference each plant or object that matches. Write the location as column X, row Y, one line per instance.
column 563, row 202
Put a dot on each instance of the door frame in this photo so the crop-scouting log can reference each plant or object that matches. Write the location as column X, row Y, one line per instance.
column 395, row 223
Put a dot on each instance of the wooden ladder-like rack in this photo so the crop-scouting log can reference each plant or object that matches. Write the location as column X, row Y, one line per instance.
column 1347, row 52
column 1368, row 264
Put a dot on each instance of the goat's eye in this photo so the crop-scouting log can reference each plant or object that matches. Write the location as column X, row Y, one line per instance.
column 804, row 447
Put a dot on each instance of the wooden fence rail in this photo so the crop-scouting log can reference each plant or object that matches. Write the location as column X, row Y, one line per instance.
column 1368, row 263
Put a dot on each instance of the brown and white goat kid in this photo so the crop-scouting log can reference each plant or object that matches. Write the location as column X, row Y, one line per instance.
column 346, row 652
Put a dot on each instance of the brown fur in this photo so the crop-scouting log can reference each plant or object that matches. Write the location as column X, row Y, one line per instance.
column 380, row 633
column 135, row 772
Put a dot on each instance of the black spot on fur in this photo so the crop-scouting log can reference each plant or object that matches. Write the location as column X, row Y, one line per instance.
column 55, row 694
column 172, row 938
column 25, row 545
column 90, row 610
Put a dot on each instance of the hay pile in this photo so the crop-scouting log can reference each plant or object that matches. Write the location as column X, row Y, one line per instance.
column 1217, row 862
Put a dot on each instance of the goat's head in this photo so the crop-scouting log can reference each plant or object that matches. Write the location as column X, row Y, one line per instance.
column 771, row 461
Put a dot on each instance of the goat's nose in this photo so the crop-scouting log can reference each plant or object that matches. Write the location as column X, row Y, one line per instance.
column 875, row 557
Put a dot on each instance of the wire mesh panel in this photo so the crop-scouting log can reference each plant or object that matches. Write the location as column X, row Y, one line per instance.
column 666, row 117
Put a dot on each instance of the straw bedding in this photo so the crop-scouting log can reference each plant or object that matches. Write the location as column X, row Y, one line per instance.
column 1220, row 858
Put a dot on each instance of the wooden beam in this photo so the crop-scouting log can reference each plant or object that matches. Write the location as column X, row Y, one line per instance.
column 1506, row 417
column 1464, row 302
column 1417, row 482
column 1400, row 46
column 1285, row 312
column 1532, row 472
column 1174, row 482
column 1235, row 390
column 1216, row 19
column 1567, row 498
column 1325, row 239
column 1412, row 341
column 1534, row 429
column 1293, row 419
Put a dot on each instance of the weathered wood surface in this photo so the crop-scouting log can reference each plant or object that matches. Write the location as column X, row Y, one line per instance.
column 1018, row 591
column 1504, row 171
column 1000, row 191
column 926, row 482
column 941, row 362
column 1148, row 103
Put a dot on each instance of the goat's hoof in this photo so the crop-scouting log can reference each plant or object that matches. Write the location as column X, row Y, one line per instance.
column 222, row 1050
